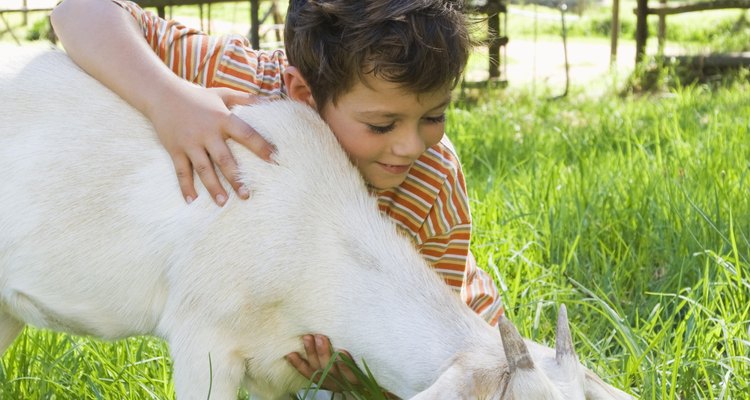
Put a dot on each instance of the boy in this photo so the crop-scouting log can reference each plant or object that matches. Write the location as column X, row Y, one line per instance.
column 379, row 72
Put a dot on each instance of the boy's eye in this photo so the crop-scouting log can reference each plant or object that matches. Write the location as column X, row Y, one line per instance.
column 381, row 129
column 436, row 120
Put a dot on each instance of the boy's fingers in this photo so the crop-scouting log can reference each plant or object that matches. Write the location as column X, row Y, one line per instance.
column 243, row 134
column 344, row 369
column 222, row 156
column 339, row 371
column 184, row 172
column 322, row 350
column 300, row 364
column 318, row 356
column 311, row 352
column 233, row 97
column 323, row 347
column 205, row 170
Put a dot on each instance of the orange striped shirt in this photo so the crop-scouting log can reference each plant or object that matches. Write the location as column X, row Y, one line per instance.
column 431, row 206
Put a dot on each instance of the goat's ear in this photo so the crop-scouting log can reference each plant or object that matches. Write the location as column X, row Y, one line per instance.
column 450, row 385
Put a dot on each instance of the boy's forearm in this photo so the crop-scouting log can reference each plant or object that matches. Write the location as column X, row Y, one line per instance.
column 106, row 42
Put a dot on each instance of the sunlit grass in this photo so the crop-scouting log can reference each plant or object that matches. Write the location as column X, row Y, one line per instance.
column 635, row 213
column 46, row 365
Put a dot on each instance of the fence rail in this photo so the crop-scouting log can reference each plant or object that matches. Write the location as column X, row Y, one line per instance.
column 5, row 26
column 255, row 19
column 643, row 10
column 670, row 9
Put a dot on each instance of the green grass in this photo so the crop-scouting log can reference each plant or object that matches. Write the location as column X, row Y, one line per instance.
column 35, row 27
column 635, row 213
column 632, row 211
column 46, row 365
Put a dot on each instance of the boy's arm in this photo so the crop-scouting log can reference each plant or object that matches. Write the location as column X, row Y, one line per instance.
column 478, row 291
column 449, row 255
column 192, row 122
column 446, row 234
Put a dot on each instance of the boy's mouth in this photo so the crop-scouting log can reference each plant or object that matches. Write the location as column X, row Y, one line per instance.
column 395, row 169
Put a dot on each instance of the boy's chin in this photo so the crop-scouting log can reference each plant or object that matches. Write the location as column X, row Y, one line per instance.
column 380, row 183
column 379, row 178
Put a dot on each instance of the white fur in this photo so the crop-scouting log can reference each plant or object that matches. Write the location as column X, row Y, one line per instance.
column 95, row 239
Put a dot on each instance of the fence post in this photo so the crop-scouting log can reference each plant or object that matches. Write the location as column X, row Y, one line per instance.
column 641, row 30
column 493, row 31
column 662, row 30
column 614, row 32
column 254, row 24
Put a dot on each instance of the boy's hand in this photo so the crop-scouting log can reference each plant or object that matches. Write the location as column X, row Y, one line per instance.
column 193, row 124
column 318, row 354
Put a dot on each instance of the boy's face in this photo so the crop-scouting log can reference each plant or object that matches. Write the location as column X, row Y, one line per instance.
column 385, row 128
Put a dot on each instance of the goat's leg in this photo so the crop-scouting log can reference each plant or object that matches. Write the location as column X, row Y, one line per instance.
column 9, row 330
column 205, row 366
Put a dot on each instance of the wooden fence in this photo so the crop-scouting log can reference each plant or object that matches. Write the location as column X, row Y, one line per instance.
column 254, row 17
column 495, row 12
column 24, row 8
column 643, row 10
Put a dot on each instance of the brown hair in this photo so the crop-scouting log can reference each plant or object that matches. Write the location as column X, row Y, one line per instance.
column 422, row 45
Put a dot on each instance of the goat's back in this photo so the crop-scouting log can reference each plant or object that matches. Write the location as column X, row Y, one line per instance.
column 90, row 198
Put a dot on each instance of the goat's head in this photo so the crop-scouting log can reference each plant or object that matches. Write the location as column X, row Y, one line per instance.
column 544, row 375
column 533, row 372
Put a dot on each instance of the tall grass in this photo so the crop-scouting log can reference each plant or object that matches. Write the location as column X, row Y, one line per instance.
column 635, row 213
column 46, row 365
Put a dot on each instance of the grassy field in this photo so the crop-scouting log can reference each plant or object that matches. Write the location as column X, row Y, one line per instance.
column 633, row 211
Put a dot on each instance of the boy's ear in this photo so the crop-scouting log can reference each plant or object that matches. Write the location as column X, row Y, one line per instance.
column 297, row 88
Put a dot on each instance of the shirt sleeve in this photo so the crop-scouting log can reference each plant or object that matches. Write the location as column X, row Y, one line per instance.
column 452, row 260
column 445, row 238
column 210, row 61
column 480, row 292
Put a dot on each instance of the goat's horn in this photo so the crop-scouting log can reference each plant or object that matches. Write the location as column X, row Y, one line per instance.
column 515, row 349
column 564, row 340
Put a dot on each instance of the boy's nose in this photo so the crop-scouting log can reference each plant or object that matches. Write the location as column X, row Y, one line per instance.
column 410, row 145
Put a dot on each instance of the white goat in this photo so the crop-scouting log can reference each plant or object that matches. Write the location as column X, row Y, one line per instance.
column 96, row 240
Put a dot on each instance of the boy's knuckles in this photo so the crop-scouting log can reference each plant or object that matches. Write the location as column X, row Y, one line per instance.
column 202, row 169
column 183, row 174
column 224, row 160
column 248, row 135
